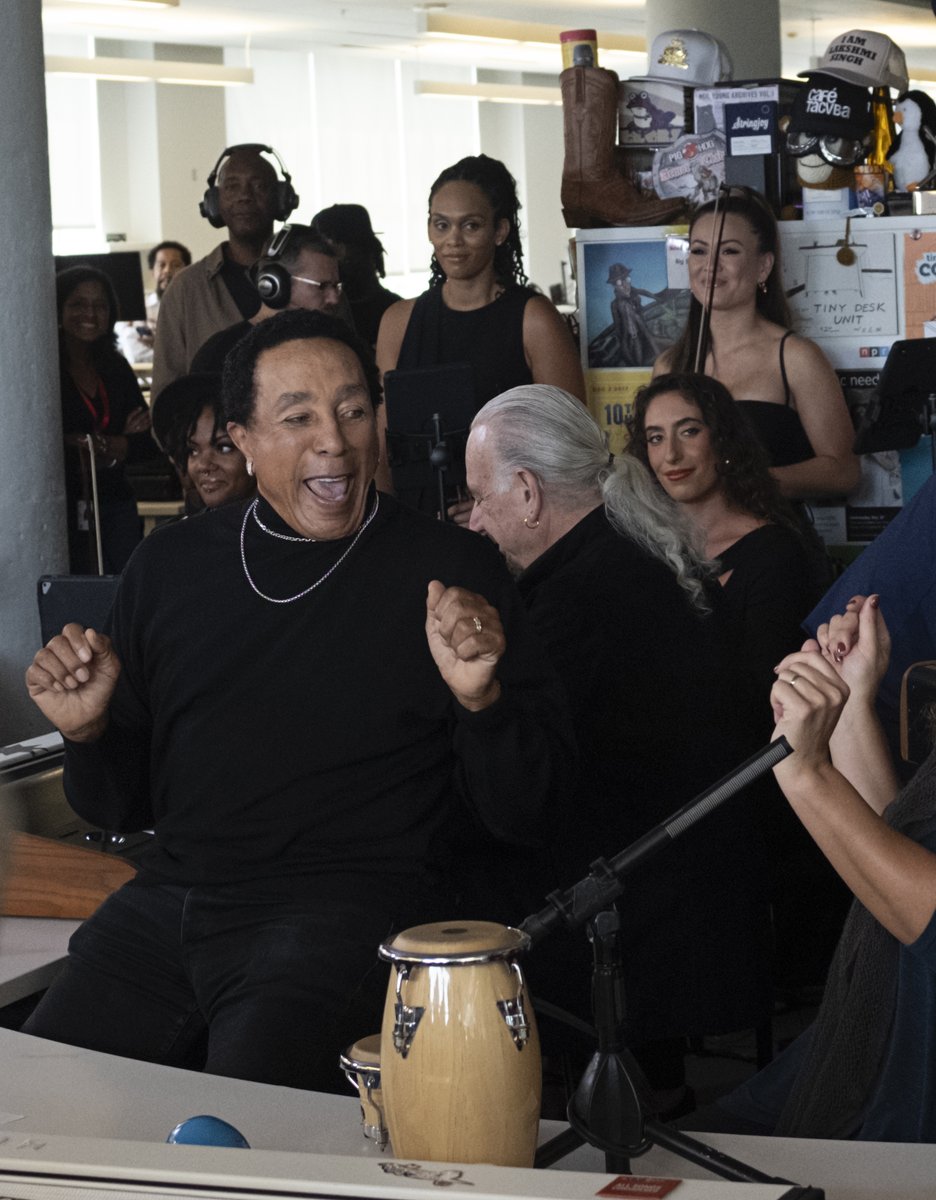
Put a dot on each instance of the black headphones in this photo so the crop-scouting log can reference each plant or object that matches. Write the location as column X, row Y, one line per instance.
column 286, row 199
column 271, row 279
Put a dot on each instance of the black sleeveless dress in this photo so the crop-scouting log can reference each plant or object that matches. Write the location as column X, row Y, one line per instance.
column 778, row 426
column 490, row 339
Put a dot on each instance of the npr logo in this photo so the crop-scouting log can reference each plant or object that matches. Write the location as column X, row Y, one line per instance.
column 873, row 351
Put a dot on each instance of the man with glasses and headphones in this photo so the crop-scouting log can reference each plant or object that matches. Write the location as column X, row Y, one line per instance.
column 245, row 196
column 299, row 269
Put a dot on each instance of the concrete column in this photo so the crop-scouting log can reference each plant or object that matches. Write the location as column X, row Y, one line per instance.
column 32, row 532
column 750, row 31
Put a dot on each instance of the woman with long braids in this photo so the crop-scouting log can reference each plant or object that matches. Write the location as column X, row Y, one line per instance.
column 739, row 332
column 479, row 308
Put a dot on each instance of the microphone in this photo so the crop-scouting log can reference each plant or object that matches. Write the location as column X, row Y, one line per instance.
column 604, row 883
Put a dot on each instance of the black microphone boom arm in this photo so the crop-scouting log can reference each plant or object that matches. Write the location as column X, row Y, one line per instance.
column 604, row 883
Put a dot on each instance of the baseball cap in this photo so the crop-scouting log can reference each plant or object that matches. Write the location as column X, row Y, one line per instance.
column 348, row 223
column 688, row 56
column 827, row 105
column 866, row 58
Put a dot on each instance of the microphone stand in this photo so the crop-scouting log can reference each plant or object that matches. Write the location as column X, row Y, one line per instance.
column 438, row 450
column 607, row 1108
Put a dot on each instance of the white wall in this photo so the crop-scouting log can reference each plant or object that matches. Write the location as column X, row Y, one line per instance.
column 190, row 134
column 349, row 127
column 74, row 149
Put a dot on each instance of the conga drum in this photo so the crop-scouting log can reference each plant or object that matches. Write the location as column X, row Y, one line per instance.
column 460, row 1071
column 361, row 1064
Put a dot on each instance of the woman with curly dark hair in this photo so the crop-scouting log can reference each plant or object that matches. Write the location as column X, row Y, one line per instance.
column 700, row 445
column 479, row 308
column 688, row 430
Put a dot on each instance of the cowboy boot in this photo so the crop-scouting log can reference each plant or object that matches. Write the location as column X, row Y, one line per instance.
column 594, row 192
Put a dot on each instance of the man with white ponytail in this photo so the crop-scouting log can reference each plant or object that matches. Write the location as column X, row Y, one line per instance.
column 627, row 608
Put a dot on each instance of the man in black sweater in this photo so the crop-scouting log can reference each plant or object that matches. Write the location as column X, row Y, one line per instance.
column 305, row 695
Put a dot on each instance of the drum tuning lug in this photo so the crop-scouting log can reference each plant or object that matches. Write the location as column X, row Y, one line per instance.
column 378, row 1135
column 515, row 1019
column 405, row 1026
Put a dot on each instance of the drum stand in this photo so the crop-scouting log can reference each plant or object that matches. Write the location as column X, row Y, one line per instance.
column 607, row 1108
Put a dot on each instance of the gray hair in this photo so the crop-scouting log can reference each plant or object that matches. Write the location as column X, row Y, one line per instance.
column 547, row 431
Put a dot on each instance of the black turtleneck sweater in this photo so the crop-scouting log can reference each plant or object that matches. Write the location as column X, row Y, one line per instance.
column 273, row 740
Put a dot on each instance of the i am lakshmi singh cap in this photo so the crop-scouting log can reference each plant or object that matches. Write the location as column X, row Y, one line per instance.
column 688, row 56
column 866, row 58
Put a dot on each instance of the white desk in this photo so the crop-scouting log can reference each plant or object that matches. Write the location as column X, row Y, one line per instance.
column 31, row 951
column 50, row 1088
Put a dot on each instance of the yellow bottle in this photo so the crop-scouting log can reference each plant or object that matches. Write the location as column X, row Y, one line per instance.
column 883, row 133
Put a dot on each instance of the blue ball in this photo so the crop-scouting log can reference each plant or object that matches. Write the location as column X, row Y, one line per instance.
column 207, row 1131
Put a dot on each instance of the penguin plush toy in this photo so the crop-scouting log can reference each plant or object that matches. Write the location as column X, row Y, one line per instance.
column 913, row 151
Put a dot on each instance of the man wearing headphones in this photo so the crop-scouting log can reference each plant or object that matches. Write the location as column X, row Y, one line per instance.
column 299, row 269
column 244, row 195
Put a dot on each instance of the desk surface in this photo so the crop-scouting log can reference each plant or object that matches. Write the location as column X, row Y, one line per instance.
column 50, row 1088
column 31, row 951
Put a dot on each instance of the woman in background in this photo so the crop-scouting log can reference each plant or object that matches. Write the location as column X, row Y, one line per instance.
column 696, row 440
column 479, row 308
column 699, row 444
column 100, row 397
column 783, row 382
column 189, row 422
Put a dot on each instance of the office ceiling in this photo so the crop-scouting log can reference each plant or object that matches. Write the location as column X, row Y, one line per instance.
column 395, row 27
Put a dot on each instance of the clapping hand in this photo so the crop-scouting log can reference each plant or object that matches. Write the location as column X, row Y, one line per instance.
column 138, row 421
column 857, row 644
column 467, row 641
column 72, row 680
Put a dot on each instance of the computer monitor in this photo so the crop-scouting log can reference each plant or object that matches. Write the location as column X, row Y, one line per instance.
column 125, row 271
column 904, row 406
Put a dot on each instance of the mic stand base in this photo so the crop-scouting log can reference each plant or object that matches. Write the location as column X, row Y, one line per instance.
column 607, row 1108
column 658, row 1134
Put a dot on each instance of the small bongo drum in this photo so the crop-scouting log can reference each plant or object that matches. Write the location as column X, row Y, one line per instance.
column 461, row 1067
column 361, row 1064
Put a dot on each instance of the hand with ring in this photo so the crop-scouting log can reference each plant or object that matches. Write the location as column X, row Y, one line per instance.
column 467, row 641
column 807, row 700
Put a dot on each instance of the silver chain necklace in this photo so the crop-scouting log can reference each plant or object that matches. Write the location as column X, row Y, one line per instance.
column 283, row 537
column 334, row 567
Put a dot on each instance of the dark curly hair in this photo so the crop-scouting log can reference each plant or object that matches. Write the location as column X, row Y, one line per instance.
column 184, row 253
column 177, row 408
column 104, row 347
column 238, row 380
column 740, row 460
column 500, row 188
column 772, row 303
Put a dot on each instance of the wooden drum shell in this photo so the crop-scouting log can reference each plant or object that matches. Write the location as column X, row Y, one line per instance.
column 361, row 1064
column 467, row 1087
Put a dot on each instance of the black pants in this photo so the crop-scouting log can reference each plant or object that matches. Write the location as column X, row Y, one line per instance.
column 246, row 981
